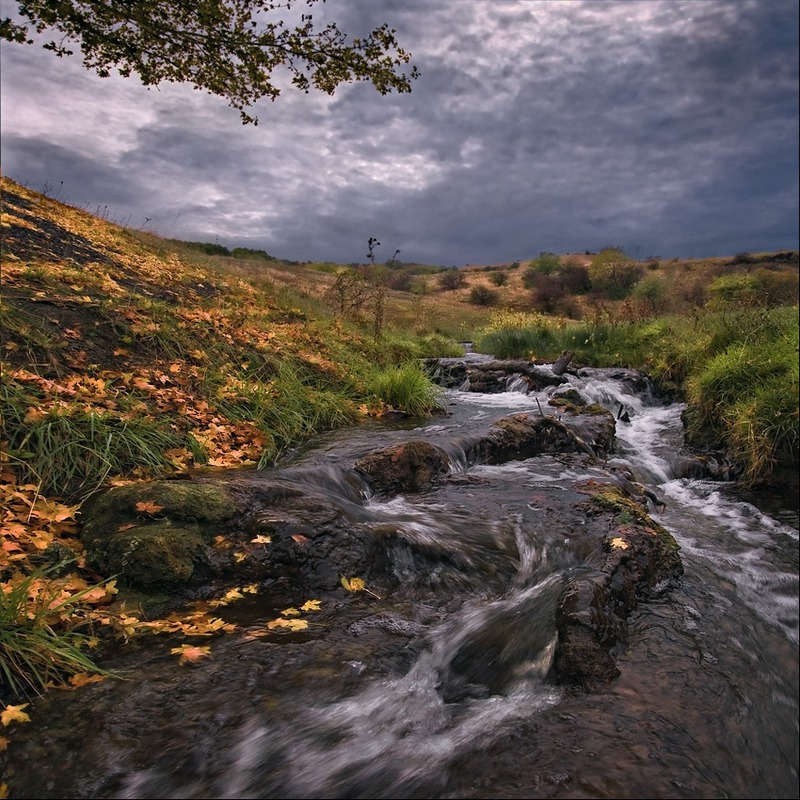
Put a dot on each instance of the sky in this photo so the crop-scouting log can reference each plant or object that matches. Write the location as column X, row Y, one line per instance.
column 666, row 127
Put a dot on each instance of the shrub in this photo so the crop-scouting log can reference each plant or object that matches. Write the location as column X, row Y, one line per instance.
column 452, row 279
column 545, row 264
column 483, row 296
column 613, row 274
column 652, row 290
column 499, row 278
column 733, row 291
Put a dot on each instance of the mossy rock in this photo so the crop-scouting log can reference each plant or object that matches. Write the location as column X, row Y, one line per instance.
column 156, row 556
column 154, row 535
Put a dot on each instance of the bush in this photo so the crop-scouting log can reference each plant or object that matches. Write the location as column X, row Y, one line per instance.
column 733, row 291
column 545, row 264
column 613, row 274
column 483, row 296
column 499, row 278
column 452, row 279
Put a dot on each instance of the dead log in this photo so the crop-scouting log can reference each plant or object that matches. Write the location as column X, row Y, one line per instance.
column 562, row 362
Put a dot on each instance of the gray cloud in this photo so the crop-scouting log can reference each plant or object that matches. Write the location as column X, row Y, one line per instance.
column 670, row 126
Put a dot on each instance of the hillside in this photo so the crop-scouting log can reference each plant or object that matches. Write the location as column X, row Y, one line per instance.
column 127, row 357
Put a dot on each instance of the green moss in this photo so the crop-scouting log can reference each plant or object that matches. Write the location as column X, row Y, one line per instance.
column 159, row 555
column 627, row 511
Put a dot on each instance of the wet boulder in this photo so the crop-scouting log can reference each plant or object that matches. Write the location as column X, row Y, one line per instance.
column 701, row 468
column 154, row 536
column 408, row 467
column 636, row 560
column 522, row 436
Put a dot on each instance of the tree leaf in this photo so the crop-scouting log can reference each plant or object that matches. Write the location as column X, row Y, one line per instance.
column 148, row 507
column 190, row 654
column 14, row 714
column 291, row 624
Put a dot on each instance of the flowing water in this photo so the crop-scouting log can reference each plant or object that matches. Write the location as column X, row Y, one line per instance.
column 706, row 704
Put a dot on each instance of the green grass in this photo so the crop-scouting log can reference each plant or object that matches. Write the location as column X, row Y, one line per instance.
column 35, row 650
column 70, row 454
column 406, row 387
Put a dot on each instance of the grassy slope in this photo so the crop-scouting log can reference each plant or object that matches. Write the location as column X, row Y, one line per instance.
column 124, row 357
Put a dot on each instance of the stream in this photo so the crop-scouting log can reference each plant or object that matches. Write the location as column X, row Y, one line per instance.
column 438, row 688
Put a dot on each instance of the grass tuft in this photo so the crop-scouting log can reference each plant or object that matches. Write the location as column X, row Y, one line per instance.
column 36, row 647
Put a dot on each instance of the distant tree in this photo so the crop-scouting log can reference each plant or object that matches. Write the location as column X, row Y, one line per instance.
column 401, row 280
column 652, row 290
column 452, row 279
column 613, row 274
column 228, row 48
column 210, row 248
column 545, row 264
column 574, row 277
column 483, row 296
column 548, row 294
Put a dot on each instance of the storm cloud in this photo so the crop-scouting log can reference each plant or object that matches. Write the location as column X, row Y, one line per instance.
column 668, row 127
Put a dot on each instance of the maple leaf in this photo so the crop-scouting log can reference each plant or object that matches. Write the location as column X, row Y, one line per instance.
column 254, row 634
column 240, row 556
column 97, row 594
column 189, row 653
column 228, row 597
column 311, row 605
column 148, row 507
column 262, row 539
column 290, row 612
column 3, row 743
column 14, row 714
column 619, row 543
column 300, row 539
column 291, row 624
column 251, row 588
column 34, row 415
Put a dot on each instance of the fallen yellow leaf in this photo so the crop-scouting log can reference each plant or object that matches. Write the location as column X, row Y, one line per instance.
column 291, row 624
column 14, row 714
column 619, row 543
